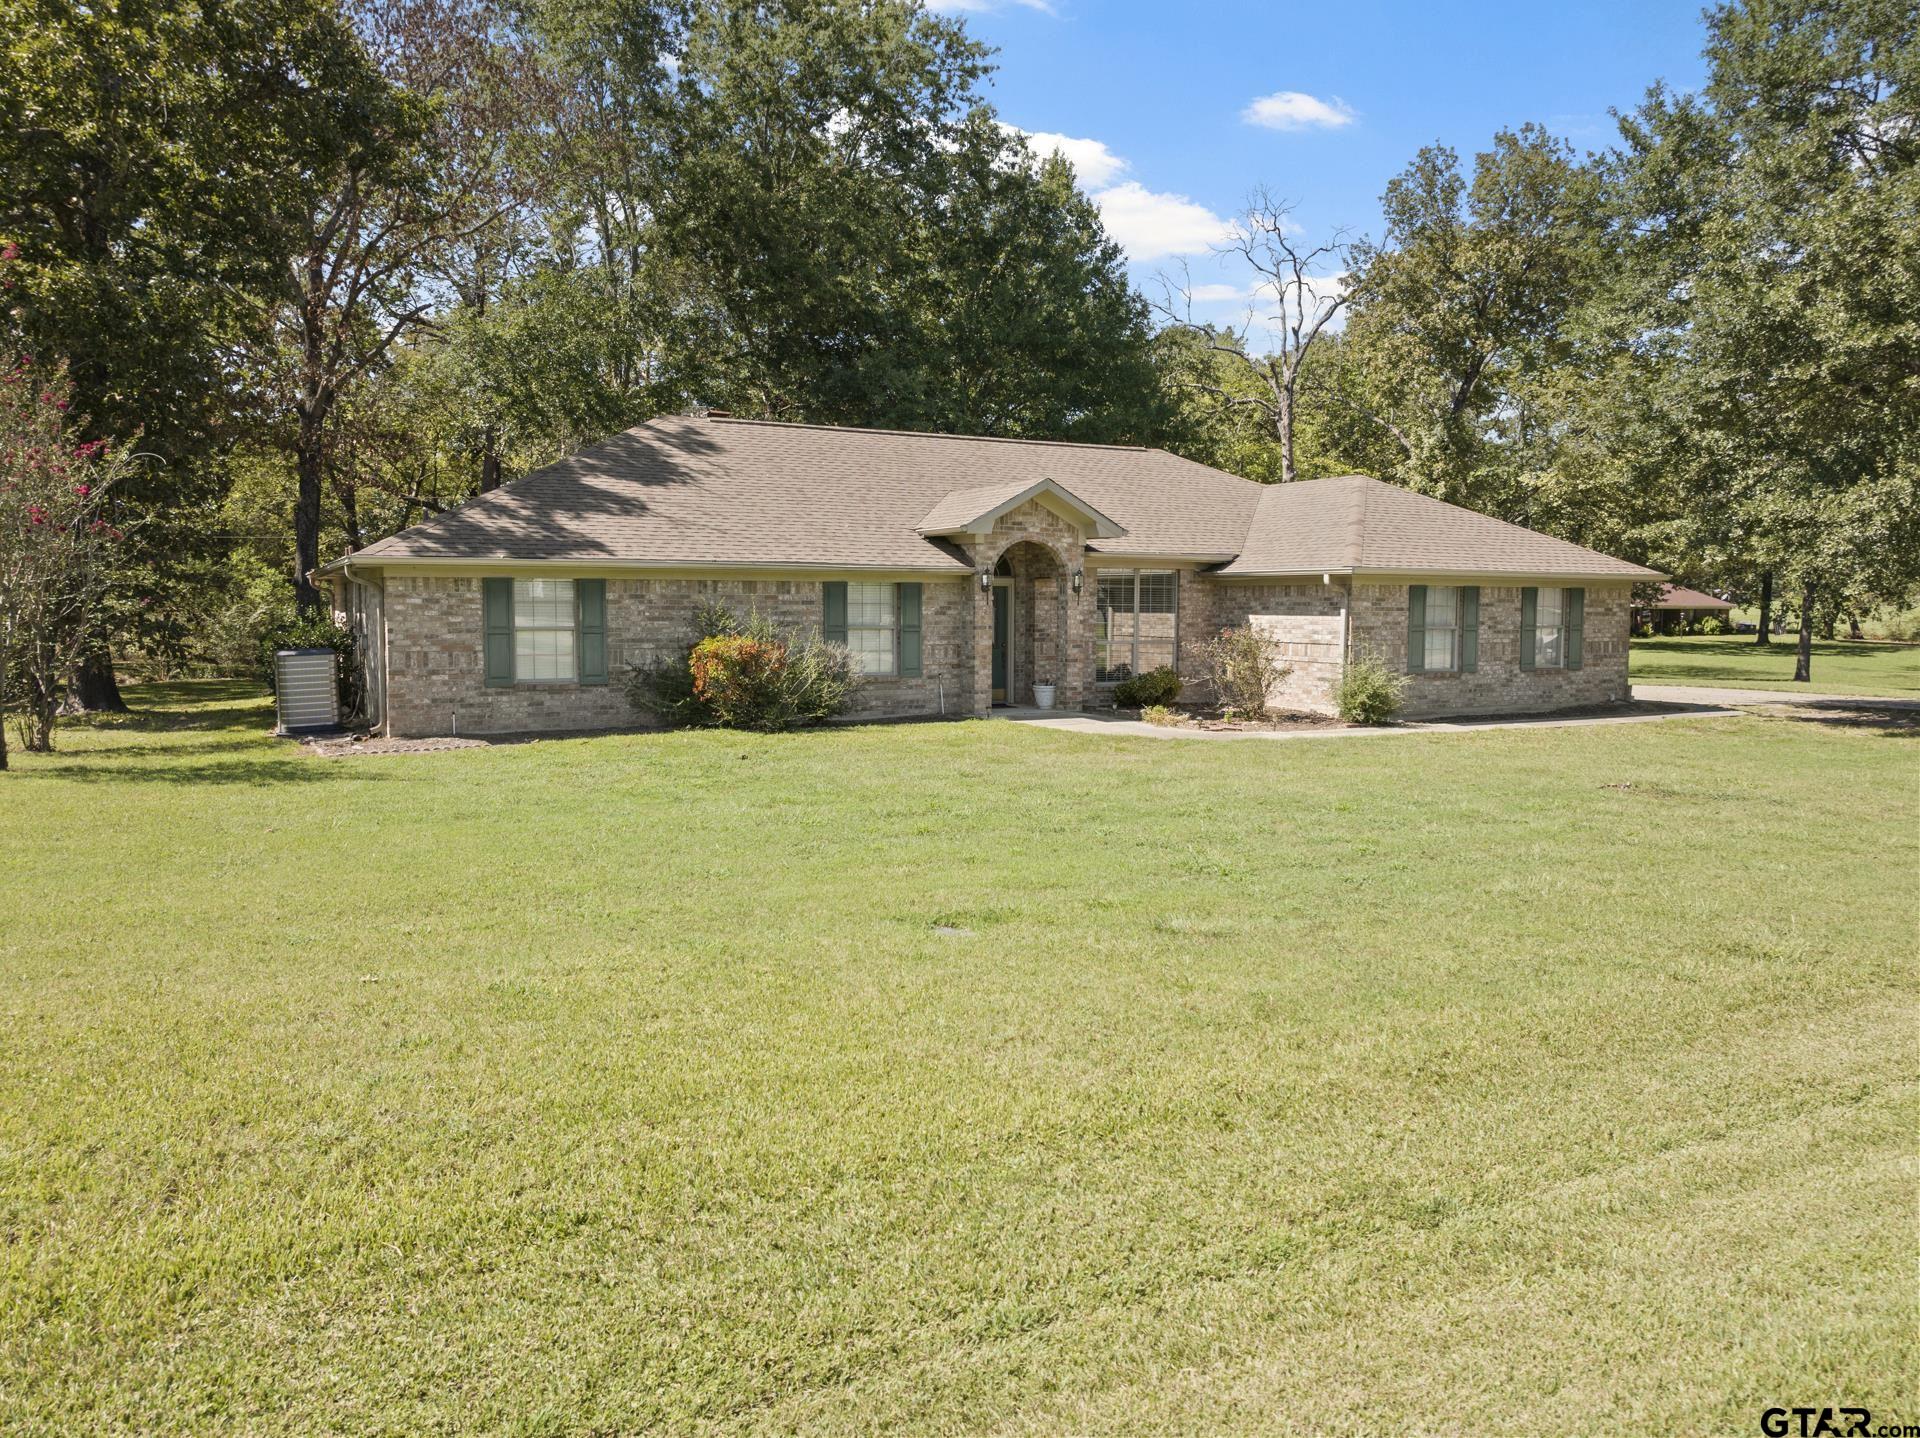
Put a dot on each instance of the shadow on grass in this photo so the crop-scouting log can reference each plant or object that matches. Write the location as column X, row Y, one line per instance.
column 220, row 723
column 1889, row 723
column 253, row 771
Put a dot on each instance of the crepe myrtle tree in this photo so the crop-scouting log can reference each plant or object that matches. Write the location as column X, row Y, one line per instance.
column 58, row 543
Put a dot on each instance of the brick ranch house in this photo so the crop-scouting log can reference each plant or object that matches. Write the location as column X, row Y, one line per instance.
column 961, row 572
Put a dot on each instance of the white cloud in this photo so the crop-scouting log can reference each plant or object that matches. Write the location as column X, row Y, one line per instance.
column 1293, row 110
column 1217, row 294
column 1093, row 163
column 1151, row 226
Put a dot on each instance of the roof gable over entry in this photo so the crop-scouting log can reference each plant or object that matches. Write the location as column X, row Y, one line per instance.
column 973, row 511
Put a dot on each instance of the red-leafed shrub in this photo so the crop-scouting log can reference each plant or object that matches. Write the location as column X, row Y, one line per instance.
column 747, row 675
column 736, row 675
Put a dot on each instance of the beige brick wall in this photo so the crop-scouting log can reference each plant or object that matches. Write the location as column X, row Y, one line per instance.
column 1499, row 685
column 436, row 668
column 1309, row 621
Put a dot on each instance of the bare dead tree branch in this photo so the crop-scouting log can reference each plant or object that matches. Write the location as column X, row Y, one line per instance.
column 1303, row 284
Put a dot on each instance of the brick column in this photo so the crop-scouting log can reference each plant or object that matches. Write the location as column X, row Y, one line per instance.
column 981, row 640
column 1076, row 677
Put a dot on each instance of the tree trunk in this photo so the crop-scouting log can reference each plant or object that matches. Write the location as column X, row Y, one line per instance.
column 1765, row 636
column 43, row 702
column 94, row 688
column 350, row 515
column 1803, row 660
column 1283, row 423
column 306, row 512
column 490, row 462
column 3, row 734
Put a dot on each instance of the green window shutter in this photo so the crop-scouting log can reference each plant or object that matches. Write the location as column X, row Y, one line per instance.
column 909, row 596
column 496, row 599
column 1575, row 618
column 833, row 612
column 1529, row 625
column 590, row 611
column 1416, row 628
column 1469, row 628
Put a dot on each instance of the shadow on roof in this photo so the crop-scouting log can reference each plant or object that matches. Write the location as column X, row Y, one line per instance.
column 548, row 508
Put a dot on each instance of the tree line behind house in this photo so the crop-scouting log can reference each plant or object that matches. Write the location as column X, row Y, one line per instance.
column 330, row 266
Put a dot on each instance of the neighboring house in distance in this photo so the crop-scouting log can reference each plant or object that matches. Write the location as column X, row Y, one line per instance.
column 1677, row 607
column 960, row 572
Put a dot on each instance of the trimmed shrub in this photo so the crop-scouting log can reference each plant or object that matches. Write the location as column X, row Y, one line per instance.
column 1242, row 667
column 1713, row 624
column 746, row 675
column 738, row 679
column 1369, row 692
column 1155, row 687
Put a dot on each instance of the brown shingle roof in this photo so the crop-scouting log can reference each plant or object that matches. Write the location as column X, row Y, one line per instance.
column 725, row 493
column 1358, row 525
column 1676, row 596
column 747, row 493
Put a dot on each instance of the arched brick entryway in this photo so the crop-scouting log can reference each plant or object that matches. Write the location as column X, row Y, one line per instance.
column 1033, row 584
column 1040, row 551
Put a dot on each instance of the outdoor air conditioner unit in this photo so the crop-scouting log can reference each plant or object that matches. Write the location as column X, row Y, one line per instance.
column 308, row 692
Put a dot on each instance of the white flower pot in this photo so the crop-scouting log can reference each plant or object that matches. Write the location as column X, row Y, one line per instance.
column 1043, row 696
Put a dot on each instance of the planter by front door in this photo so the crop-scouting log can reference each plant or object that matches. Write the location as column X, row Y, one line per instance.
column 1002, row 627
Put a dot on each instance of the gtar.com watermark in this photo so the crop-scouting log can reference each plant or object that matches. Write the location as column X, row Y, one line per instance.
column 1831, row 1423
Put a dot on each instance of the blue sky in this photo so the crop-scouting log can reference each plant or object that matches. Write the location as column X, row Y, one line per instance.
column 1164, row 105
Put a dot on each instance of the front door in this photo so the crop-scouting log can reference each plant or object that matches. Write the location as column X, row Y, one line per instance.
column 1002, row 604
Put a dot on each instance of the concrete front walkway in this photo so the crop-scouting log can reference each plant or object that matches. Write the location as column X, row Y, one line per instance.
column 1119, row 726
column 1702, row 694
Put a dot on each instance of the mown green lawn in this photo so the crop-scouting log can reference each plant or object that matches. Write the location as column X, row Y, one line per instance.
column 1538, row 1081
column 1735, row 661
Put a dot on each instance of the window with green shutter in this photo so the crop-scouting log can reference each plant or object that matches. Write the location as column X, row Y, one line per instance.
column 1550, row 628
column 881, row 623
column 590, row 603
column 496, row 597
column 908, row 604
column 833, row 612
column 1443, row 628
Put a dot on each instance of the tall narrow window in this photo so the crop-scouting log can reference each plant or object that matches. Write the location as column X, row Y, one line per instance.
column 1442, row 650
column 872, row 621
column 543, row 630
column 1550, row 634
column 1136, row 623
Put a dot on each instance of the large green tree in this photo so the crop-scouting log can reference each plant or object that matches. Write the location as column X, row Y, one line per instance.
column 1769, row 267
column 146, row 148
column 1459, row 317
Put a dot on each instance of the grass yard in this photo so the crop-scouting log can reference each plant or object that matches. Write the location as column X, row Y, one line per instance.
column 959, row 1078
column 1736, row 662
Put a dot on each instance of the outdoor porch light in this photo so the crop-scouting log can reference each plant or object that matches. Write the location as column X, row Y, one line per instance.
column 1079, row 578
column 986, row 581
